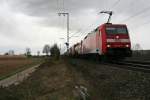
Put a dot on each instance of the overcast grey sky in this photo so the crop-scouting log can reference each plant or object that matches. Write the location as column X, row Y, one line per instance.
column 33, row 23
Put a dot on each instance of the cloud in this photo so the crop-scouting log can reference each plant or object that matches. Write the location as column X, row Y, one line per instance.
column 34, row 7
column 19, row 30
column 33, row 23
column 7, row 21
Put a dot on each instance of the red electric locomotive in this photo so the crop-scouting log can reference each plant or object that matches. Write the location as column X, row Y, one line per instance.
column 107, row 39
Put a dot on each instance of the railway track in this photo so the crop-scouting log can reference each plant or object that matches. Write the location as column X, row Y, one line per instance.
column 132, row 65
column 141, row 66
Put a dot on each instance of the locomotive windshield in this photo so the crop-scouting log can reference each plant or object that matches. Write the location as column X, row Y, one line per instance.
column 116, row 30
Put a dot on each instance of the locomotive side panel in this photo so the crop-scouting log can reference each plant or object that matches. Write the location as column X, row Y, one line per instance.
column 89, row 44
column 101, row 40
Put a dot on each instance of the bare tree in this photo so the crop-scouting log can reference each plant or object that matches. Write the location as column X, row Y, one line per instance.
column 6, row 53
column 38, row 53
column 11, row 52
column 28, row 52
column 55, row 51
column 138, row 49
column 46, row 49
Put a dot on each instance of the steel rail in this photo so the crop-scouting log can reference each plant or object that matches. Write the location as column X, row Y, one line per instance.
column 132, row 65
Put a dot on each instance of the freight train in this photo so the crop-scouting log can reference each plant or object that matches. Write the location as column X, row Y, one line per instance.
column 106, row 40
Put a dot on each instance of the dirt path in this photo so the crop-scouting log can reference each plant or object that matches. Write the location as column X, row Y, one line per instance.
column 18, row 77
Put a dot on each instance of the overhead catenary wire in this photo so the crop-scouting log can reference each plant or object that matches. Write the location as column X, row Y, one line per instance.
column 61, row 20
column 82, row 32
column 75, row 33
column 59, row 8
column 136, row 14
column 112, row 7
column 57, row 5
column 63, row 6
column 86, row 28
column 57, row 11
column 140, row 25
column 115, row 4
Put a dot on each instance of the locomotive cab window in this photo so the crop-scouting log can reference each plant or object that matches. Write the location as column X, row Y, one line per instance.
column 116, row 30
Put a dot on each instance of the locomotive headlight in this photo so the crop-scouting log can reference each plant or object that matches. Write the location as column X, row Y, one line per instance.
column 108, row 45
column 127, row 45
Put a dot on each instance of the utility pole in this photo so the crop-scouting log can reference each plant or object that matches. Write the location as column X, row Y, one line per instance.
column 67, row 43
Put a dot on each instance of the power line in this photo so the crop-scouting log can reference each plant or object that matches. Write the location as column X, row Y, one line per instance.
column 89, row 27
column 60, row 8
column 57, row 5
column 115, row 4
column 136, row 14
column 76, row 33
column 81, row 32
column 131, row 4
column 141, row 25
column 63, row 5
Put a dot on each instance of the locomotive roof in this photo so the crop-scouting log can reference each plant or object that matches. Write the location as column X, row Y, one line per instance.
column 113, row 24
column 105, row 24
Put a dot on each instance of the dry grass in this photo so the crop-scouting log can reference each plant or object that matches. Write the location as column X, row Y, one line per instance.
column 3, row 57
column 10, row 64
column 53, row 80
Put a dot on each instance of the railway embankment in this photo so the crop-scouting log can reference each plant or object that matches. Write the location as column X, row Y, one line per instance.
column 108, row 82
